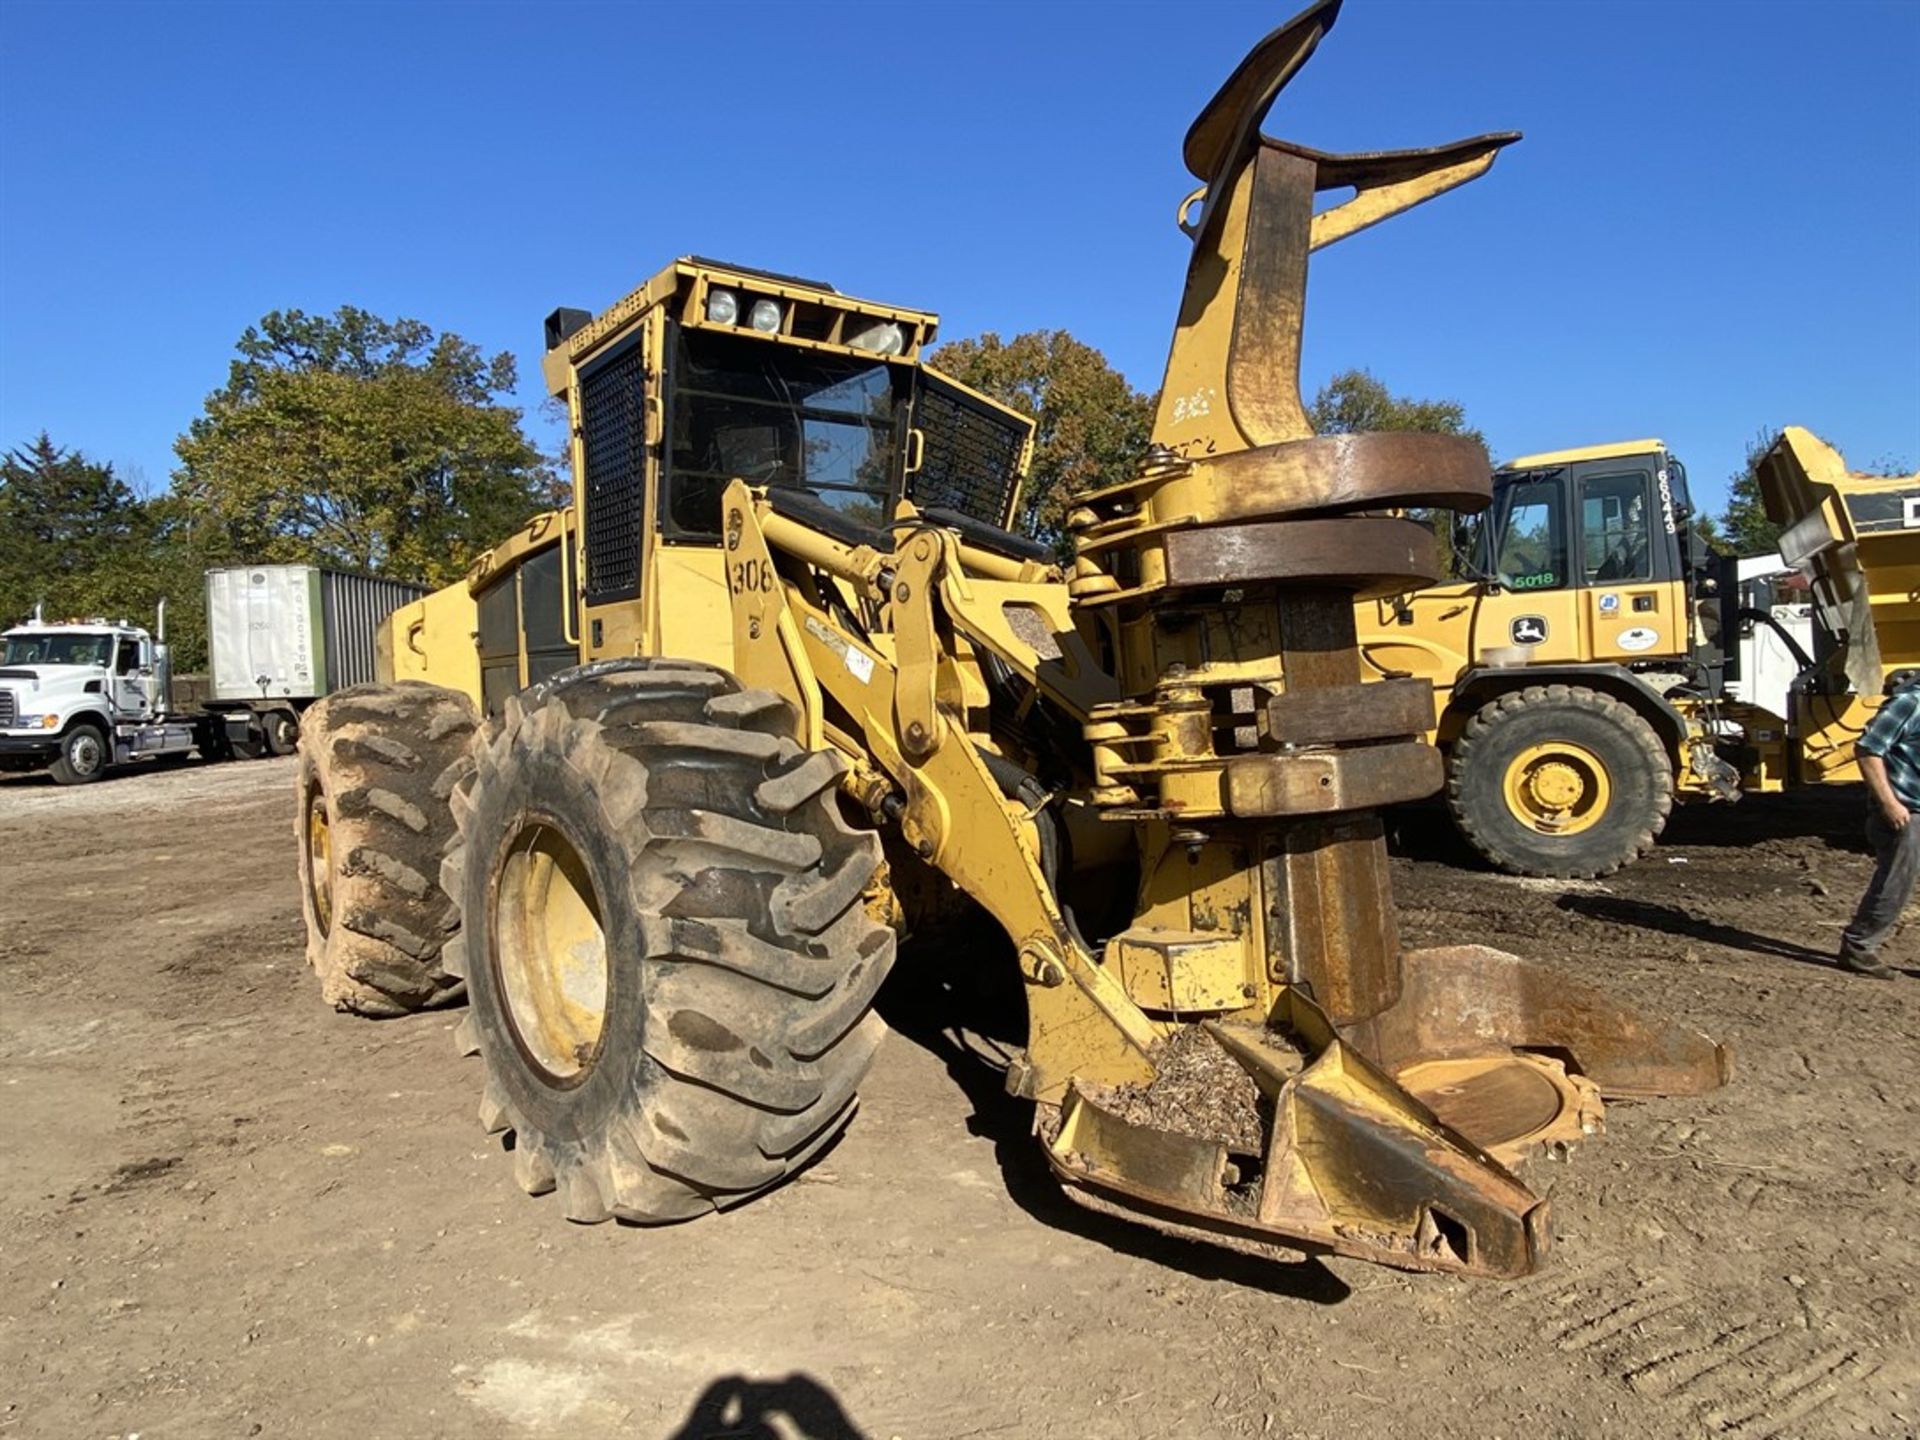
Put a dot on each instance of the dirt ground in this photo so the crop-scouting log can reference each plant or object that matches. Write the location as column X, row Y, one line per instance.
column 227, row 1211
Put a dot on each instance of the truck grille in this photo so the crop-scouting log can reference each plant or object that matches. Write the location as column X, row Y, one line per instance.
column 7, row 711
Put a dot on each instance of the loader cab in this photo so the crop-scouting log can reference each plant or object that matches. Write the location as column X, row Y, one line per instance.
column 1608, row 516
column 1589, row 551
column 711, row 373
column 1584, row 556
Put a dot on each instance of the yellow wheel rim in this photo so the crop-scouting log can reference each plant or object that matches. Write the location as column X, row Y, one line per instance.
column 319, row 861
column 1558, row 788
column 550, row 954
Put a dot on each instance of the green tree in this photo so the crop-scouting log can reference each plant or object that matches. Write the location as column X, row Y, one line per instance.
column 72, row 535
column 361, row 443
column 1745, row 525
column 1090, row 424
column 1710, row 530
column 1356, row 400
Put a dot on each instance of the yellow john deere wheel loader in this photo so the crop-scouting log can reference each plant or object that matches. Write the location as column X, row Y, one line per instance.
column 1579, row 668
column 781, row 662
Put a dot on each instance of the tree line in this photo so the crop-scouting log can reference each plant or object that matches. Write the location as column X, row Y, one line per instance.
column 347, row 441
column 382, row 447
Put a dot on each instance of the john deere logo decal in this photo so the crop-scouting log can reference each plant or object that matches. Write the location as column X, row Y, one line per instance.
column 1529, row 630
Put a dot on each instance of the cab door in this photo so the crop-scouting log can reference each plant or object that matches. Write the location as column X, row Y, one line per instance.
column 132, row 678
column 1533, row 605
column 1627, row 556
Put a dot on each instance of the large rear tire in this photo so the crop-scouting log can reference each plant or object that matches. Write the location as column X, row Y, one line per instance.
column 1559, row 781
column 668, row 949
column 282, row 729
column 377, row 765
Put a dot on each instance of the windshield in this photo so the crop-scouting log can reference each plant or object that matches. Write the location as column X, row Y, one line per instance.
column 770, row 415
column 1532, row 551
column 60, row 649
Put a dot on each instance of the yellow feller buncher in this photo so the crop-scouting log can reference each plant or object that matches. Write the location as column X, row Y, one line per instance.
column 1580, row 661
column 780, row 675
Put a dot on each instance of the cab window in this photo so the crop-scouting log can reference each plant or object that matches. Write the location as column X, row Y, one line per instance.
column 1533, row 551
column 1615, row 540
column 128, row 659
column 751, row 410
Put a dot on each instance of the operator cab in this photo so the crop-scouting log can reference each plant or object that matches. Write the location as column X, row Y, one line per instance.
column 1606, row 515
column 707, row 374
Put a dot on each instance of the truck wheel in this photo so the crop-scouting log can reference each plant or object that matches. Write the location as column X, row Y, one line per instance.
column 283, row 732
column 1557, row 780
column 670, row 962
column 85, row 752
column 377, row 765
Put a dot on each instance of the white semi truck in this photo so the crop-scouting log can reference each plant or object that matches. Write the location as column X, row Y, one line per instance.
column 80, row 697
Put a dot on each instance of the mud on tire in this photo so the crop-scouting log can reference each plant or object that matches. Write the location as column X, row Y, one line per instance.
column 1638, row 779
column 669, row 959
column 377, row 766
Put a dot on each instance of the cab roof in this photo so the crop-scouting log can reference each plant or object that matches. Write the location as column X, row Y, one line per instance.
column 1619, row 450
column 69, row 627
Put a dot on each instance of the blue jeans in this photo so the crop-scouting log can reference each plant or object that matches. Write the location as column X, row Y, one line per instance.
column 1896, row 855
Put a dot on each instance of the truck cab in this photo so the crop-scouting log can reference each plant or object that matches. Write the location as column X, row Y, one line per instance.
column 72, row 694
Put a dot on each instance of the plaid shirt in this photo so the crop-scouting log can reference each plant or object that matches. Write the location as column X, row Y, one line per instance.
column 1894, row 735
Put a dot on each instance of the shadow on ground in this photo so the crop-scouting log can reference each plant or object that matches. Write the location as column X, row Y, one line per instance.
column 963, row 1003
column 1833, row 815
column 795, row 1408
column 1672, row 920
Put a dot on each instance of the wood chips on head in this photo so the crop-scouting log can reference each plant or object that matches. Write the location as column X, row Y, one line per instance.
column 1201, row 1091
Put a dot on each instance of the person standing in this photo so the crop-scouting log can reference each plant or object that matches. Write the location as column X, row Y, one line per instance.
column 1889, row 754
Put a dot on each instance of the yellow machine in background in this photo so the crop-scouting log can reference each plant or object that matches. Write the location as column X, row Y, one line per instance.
column 781, row 677
column 1578, row 670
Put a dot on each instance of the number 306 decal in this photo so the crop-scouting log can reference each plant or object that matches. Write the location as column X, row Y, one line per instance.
column 753, row 575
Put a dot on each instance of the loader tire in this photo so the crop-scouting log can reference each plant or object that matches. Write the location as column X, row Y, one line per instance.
column 669, row 955
column 1559, row 781
column 378, row 764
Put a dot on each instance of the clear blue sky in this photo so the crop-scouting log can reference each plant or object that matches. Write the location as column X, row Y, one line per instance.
column 1712, row 226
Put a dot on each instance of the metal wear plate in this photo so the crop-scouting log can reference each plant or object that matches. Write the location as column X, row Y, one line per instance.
column 1348, row 472
column 1367, row 555
column 1324, row 782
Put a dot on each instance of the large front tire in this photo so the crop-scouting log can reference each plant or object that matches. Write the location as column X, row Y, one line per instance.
column 85, row 753
column 1559, row 781
column 377, row 766
column 669, row 954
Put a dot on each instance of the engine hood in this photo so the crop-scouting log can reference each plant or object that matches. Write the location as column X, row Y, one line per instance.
column 50, row 679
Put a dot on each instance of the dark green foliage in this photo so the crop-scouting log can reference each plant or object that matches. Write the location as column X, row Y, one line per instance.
column 363, row 444
column 1355, row 401
column 1745, row 525
column 72, row 536
column 346, row 440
